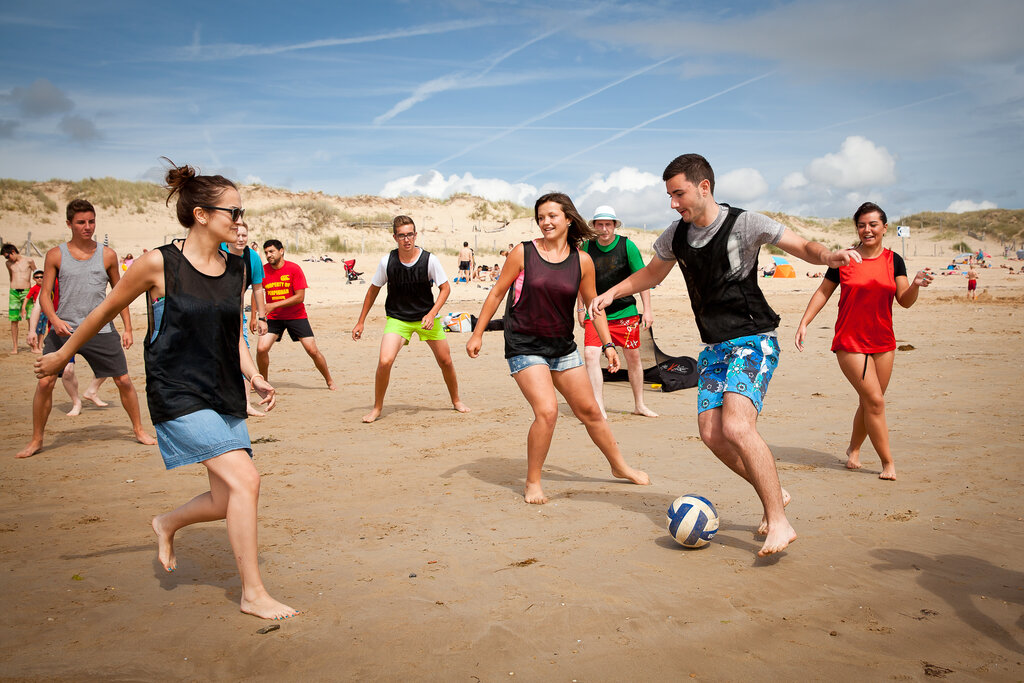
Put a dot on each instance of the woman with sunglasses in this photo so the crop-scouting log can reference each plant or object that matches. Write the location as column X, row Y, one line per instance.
column 543, row 278
column 864, row 343
column 194, row 351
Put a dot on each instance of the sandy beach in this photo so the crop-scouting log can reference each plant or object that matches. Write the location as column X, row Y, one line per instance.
column 408, row 548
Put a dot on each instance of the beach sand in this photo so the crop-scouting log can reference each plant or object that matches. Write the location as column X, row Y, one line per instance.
column 408, row 548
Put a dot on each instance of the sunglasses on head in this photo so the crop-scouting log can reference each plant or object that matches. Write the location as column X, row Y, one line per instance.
column 236, row 213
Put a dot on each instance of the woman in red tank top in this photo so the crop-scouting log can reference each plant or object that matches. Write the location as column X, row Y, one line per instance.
column 548, row 280
column 864, row 343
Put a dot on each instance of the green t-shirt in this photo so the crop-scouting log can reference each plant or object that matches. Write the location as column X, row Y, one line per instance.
column 636, row 262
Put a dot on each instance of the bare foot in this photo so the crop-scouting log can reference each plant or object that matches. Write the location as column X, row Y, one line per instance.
column 267, row 608
column 888, row 472
column 778, row 539
column 635, row 476
column 645, row 412
column 371, row 416
column 762, row 528
column 31, row 449
column 333, row 387
column 13, row 353
column 534, row 494
column 164, row 545
column 76, row 410
column 144, row 438
column 252, row 412
column 853, row 459
column 97, row 401
column 461, row 407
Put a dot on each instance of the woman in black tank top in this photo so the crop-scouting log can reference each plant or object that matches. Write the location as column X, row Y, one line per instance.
column 543, row 278
column 199, row 289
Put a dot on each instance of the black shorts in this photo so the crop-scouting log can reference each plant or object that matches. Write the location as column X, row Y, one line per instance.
column 463, row 265
column 297, row 329
column 103, row 353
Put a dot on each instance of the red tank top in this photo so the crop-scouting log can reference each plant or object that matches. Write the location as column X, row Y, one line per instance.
column 867, row 289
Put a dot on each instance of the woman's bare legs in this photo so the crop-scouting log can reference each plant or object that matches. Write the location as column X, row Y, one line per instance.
column 869, row 420
column 234, row 496
column 536, row 384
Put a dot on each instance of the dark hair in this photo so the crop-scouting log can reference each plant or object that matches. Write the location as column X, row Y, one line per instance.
column 695, row 167
column 579, row 229
column 870, row 207
column 465, row 244
column 79, row 206
column 399, row 222
column 8, row 248
column 276, row 244
column 193, row 190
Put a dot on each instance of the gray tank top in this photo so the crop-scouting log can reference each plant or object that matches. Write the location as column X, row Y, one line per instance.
column 83, row 286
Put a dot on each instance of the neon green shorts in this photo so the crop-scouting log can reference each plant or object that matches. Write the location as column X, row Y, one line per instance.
column 396, row 326
column 17, row 298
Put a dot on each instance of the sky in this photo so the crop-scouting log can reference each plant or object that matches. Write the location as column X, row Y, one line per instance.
column 809, row 108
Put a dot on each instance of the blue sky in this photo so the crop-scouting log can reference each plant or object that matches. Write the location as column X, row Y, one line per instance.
column 803, row 107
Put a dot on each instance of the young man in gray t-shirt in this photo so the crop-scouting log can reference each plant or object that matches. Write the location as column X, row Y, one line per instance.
column 718, row 257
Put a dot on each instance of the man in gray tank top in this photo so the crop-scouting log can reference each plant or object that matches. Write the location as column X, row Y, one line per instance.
column 84, row 268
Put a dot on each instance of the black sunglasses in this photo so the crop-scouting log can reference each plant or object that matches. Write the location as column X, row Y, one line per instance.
column 235, row 213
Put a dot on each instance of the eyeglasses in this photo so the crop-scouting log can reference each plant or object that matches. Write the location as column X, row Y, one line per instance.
column 37, row 277
column 405, row 235
column 235, row 212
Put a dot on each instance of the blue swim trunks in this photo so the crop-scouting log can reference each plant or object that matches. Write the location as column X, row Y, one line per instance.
column 743, row 366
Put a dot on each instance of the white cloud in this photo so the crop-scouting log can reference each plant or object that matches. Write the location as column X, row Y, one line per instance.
column 858, row 164
column 741, row 185
column 794, row 181
column 638, row 197
column 626, row 178
column 965, row 205
column 253, row 180
column 433, row 184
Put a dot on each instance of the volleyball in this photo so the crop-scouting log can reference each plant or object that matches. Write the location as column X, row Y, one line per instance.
column 692, row 521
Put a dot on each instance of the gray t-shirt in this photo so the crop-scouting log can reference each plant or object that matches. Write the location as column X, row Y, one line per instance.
column 748, row 234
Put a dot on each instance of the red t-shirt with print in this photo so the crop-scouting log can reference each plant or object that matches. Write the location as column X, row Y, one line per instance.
column 281, row 283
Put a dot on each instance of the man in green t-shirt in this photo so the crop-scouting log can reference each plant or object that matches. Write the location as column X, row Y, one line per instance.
column 615, row 258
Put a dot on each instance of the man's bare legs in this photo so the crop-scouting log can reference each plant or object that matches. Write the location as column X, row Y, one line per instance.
column 234, row 496
column 443, row 356
column 92, row 392
column 14, row 337
column 390, row 345
column 263, row 354
column 731, row 433
column 130, row 402
column 309, row 344
column 42, row 403
column 70, row 381
column 592, row 361
column 635, row 369
column 869, row 419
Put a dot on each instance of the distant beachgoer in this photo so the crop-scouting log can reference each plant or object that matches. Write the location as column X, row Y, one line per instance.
column 195, row 360
column 19, row 270
column 543, row 278
column 465, row 263
column 127, row 262
column 258, row 304
column 864, row 343
column 410, row 274
column 972, row 283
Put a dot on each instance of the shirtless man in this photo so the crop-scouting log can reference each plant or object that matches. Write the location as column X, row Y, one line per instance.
column 19, row 270
column 85, row 268
column 972, row 282
column 409, row 272
column 465, row 263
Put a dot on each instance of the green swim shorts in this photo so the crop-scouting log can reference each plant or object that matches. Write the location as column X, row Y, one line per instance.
column 396, row 326
column 14, row 304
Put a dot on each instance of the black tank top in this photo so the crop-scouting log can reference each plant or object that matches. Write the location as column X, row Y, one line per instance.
column 542, row 323
column 610, row 268
column 193, row 363
column 409, row 294
column 724, row 309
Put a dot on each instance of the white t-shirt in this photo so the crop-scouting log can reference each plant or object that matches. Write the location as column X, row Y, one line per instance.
column 434, row 270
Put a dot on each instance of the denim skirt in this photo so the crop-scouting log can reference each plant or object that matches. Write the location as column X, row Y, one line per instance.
column 200, row 436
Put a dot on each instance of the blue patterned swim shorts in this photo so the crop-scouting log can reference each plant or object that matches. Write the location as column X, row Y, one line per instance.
column 743, row 366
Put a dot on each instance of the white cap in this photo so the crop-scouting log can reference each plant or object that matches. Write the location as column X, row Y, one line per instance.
column 605, row 213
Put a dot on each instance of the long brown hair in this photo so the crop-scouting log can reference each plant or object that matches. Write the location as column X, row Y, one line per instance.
column 579, row 229
column 193, row 190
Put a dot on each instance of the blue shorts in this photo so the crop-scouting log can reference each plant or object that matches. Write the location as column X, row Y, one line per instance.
column 567, row 362
column 743, row 366
column 200, row 436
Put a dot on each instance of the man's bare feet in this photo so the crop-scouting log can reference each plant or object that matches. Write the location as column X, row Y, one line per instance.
column 461, row 407
column 778, row 539
column 645, row 412
column 534, row 494
column 31, row 449
column 252, row 412
column 144, row 438
column 76, row 410
column 267, row 607
column 633, row 475
column 333, row 387
column 853, row 459
column 888, row 473
column 762, row 528
column 371, row 416
column 164, row 545
column 97, row 401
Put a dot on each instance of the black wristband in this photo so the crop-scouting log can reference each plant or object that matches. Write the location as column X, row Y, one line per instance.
column 609, row 345
column 262, row 318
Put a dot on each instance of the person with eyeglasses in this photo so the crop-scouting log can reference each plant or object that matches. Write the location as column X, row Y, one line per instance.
column 284, row 285
column 410, row 274
column 84, row 269
column 30, row 304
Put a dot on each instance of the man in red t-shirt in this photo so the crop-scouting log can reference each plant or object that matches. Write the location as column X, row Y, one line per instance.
column 284, row 285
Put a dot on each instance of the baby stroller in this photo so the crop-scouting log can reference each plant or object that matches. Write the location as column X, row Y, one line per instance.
column 350, row 270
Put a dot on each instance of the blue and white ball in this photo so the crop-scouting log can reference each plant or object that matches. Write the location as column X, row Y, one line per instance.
column 692, row 521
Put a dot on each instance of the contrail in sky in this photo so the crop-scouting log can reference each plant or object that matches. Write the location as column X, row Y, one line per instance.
column 641, row 125
column 887, row 111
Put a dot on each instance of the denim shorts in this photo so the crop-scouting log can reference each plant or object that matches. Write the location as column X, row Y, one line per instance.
column 200, row 436
column 744, row 366
column 567, row 362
